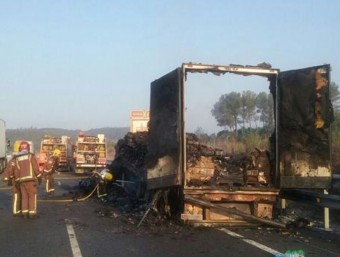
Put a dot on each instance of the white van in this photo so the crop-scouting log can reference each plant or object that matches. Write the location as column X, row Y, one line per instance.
column 3, row 145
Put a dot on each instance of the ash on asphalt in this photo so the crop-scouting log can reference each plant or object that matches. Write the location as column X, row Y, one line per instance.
column 128, row 211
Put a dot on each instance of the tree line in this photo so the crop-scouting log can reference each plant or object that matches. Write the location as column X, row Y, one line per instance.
column 244, row 110
column 234, row 111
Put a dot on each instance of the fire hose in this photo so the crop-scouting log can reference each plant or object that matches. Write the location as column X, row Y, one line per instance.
column 74, row 199
column 102, row 175
column 63, row 200
column 83, row 198
column 71, row 200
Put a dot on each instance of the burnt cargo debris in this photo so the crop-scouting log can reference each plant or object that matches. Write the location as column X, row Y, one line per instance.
column 129, row 165
column 206, row 166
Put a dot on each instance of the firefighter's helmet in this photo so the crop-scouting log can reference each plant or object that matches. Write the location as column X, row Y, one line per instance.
column 24, row 147
column 108, row 176
column 56, row 152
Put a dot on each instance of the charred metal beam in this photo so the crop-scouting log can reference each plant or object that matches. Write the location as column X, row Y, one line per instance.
column 233, row 211
column 262, row 70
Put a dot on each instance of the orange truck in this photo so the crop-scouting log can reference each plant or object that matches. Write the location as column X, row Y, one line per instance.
column 89, row 153
column 49, row 144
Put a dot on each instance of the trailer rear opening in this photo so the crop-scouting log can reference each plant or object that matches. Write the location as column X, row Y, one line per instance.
column 298, row 155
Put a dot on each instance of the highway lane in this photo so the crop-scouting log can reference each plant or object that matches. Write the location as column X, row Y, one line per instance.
column 91, row 228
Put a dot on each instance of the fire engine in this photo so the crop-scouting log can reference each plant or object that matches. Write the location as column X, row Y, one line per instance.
column 89, row 153
column 49, row 144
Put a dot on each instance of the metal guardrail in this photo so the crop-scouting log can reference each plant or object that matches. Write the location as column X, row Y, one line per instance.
column 311, row 198
column 315, row 198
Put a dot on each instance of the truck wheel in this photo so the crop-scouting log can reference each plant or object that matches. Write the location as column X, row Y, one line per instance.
column 171, row 202
column 69, row 168
column 73, row 168
column 79, row 171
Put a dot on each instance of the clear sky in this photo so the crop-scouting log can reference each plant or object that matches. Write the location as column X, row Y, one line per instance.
column 85, row 64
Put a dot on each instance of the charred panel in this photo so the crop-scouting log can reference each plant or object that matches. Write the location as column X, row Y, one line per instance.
column 163, row 156
column 305, row 114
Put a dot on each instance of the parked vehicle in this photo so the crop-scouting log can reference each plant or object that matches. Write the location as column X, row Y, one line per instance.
column 49, row 144
column 3, row 145
column 89, row 153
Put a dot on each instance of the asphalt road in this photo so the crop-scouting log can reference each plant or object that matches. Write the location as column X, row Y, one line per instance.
column 91, row 228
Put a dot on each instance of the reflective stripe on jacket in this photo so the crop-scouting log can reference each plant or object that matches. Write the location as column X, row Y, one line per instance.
column 26, row 168
column 9, row 170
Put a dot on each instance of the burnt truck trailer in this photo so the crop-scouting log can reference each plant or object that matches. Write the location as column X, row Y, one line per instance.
column 299, row 153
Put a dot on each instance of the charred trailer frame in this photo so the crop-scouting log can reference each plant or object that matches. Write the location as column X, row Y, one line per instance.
column 300, row 144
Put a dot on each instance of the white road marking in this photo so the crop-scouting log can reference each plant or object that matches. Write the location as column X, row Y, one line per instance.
column 230, row 233
column 251, row 242
column 73, row 239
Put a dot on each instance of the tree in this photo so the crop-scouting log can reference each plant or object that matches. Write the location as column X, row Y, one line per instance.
column 264, row 105
column 270, row 111
column 261, row 104
column 335, row 98
column 248, row 107
column 227, row 110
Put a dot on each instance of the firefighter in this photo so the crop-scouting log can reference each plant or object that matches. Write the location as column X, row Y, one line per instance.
column 26, row 174
column 49, row 168
column 103, row 178
column 8, row 177
column 56, row 155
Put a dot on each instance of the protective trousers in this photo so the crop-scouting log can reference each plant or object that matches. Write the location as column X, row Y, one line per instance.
column 28, row 198
column 49, row 182
column 16, row 199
